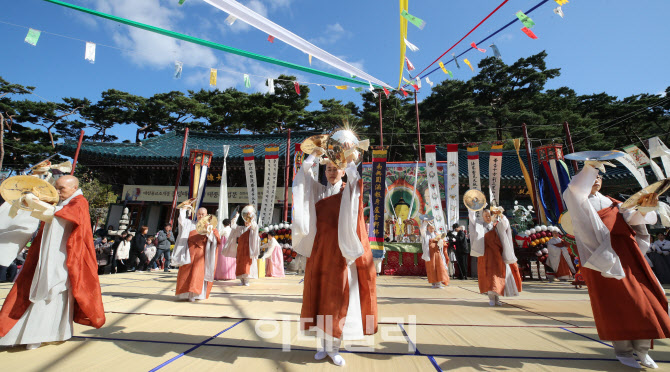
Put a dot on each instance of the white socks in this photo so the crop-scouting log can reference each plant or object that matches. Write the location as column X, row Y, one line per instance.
column 244, row 282
column 629, row 361
column 33, row 346
column 494, row 299
column 333, row 353
column 646, row 361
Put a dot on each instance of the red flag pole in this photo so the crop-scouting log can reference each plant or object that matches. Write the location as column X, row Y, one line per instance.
column 179, row 169
column 76, row 154
column 286, row 174
column 418, row 127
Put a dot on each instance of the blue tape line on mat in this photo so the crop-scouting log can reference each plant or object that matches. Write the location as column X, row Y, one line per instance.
column 193, row 348
column 590, row 338
column 301, row 280
column 416, row 349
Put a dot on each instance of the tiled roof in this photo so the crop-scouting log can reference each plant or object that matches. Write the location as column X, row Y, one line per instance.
column 167, row 147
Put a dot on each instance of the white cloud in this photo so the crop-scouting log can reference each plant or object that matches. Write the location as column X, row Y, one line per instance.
column 332, row 34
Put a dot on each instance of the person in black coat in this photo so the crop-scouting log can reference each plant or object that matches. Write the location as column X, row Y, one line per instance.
column 137, row 259
column 462, row 251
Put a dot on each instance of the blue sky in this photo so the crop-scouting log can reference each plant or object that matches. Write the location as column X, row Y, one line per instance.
column 613, row 46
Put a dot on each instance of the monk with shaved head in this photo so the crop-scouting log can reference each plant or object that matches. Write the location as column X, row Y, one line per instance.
column 58, row 284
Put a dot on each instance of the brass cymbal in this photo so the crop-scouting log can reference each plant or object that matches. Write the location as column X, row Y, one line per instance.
column 14, row 187
column 474, row 200
column 310, row 144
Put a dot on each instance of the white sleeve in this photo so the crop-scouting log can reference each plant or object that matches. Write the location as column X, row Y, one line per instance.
column 505, row 235
column 181, row 254
column 591, row 234
column 425, row 242
column 306, row 193
column 254, row 241
column 230, row 249
column 477, row 232
column 350, row 243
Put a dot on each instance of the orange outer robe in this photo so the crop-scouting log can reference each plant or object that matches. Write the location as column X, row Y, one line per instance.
column 244, row 261
column 632, row 308
column 190, row 277
column 82, row 269
column 435, row 268
column 326, row 287
column 491, row 269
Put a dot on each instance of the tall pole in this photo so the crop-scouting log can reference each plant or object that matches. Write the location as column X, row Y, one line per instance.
column 381, row 131
column 76, row 154
column 568, row 140
column 286, row 173
column 418, row 127
column 531, row 169
column 179, row 169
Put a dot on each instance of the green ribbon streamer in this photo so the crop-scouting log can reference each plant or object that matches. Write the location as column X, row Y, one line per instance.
column 32, row 37
column 525, row 19
column 181, row 2
column 247, row 81
column 418, row 22
column 210, row 44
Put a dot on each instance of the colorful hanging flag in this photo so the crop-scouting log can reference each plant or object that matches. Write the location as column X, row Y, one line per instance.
column 418, row 82
column 496, row 52
column 181, row 2
column 529, row 184
column 455, row 60
column 413, row 20
column 250, row 172
column 435, row 201
column 403, row 92
column 33, row 36
column 89, row 55
column 411, row 46
column 271, row 85
column 559, row 11
column 495, row 169
column 561, row 2
column 271, row 38
column 386, row 91
column 377, row 205
column 468, row 63
column 474, row 180
column 230, row 20
column 528, row 32
column 342, row 87
column 451, row 184
column 222, row 213
column 525, row 19
column 212, row 77
column 269, row 184
column 310, row 59
column 247, row 81
column 444, row 69
column 428, row 81
column 472, row 44
column 322, row 87
column 178, row 66
column 410, row 66
column 297, row 87
column 358, row 89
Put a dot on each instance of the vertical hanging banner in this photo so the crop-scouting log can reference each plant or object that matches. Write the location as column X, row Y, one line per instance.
column 495, row 167
column 451, row 184
column 529, row 183
column 269, row 184
column 473, row 169
column 198, row 179
column 657, row 149
column 377, row 198
column 89, row 55
column 250, row 171
column 434, row 190
column 298, row 157
column 642, row 160
column 223, row 190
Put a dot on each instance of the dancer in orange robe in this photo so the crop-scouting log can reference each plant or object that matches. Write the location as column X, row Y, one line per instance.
column 629, row 305
column 195, row 278
column 339, row 295
column 244, row 244
column 491, row 243
column 433, row 254
column 58, row 283
column 559, row 259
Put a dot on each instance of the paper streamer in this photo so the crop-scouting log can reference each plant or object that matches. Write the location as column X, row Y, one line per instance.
column 642, row 160
column 377, row 204
column 445, row 70
column 418, row 22
column 525, row 19
column 468, row 63
column 271, row 86
column 230, row 20
column 657, row 149
column 297, row 87
column 455, row 60
column 404, row 92
column 451, row 185
column 637, row 172
column 212, row 77
column 496, row 52
column 89, row 55
column 341, row 87
column 271, row 38
column 222, row 213
column 403, row 35
column 495, row 168
column 410, row 66
column 561, row 2
column 434, row 190
column 247, row 81
column 322, row 87
column 411, row 46
column 358, row 89
column 418, row 82
column 472, row 44
column 528, row 32
column 310, row 59
column 181, row 2
column 250, row 172
column 178, row 67
column 33, row 36
column 559, row 11
column 428, row 81
column 269, row 184
column 386, row 91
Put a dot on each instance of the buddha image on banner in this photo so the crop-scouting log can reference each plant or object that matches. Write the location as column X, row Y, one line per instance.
column 404, row 202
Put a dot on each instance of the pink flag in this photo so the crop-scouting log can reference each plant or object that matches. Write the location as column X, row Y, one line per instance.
column 297, row 87
column 475, row 46
column 271, row 38
column 528, row 32
column 410, row 66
